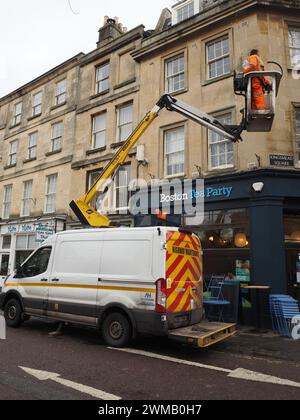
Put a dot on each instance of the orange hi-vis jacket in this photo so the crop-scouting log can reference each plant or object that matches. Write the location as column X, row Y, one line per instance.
column 258, row 90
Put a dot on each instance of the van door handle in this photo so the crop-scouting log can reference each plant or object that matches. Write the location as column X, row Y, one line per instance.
column 44, row 280
column 99, row 279
column 55, row 280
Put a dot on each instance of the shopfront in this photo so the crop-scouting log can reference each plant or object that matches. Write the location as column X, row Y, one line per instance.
column 251, row 228
column 19, row 239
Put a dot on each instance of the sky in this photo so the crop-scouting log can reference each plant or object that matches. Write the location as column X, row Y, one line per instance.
column 37, row 35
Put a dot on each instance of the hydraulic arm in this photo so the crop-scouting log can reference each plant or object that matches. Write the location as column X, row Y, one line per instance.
column 86, row 213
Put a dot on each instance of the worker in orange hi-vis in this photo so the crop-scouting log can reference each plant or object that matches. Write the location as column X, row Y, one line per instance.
column 259, row 84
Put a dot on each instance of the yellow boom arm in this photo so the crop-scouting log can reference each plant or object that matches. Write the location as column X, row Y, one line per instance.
column 88, row 215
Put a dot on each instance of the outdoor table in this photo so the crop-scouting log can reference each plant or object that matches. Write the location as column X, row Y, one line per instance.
column 257, row 290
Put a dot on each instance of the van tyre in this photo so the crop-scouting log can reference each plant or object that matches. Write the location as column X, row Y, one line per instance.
column 13, row 313
column 116, row 330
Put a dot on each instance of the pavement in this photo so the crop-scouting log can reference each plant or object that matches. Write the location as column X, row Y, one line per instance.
column 77, row 365
column 266, row 344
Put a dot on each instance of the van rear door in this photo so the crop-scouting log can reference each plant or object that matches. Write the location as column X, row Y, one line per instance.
column 183, row 272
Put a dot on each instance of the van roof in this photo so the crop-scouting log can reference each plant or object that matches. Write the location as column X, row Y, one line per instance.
column 119, row 229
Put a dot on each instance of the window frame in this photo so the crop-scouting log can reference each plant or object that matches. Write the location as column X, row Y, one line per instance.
column 168, row 78
column 225, row 141
column 13, row 154
column 37, row 106
column 99, row 81
column 32, row 147
column 116, row 188
column 7, row 201
column 26, row 199
column 184, row 6
column 56, row 139
column 290, row 47
column 50, row 195
column 61, row 95
column 95, row 133
column 18, row 114
column 209, row 62
column 165, row 155
column 120, row 126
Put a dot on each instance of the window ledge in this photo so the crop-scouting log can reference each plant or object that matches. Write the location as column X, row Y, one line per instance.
column 10, row 166
column 94, row 151
column 14, row 126
column 221, row 170
column 217, row 79
column 127, row 82
column 117, row 145
column 98, row 95
column 176, row 176
column 178, row 92
column 55, row 152
column 33, row 117
column 29, row 160
column 53, row 108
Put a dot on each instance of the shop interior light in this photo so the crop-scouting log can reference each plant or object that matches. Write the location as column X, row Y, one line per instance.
column 240, row 240
column 295, row 236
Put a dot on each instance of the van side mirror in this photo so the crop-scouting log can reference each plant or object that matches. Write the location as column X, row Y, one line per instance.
column 19, row 271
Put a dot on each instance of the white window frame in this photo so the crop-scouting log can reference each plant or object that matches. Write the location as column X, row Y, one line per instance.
column 102, row 80
column 126, row 169
column 128, row 124
column 293, row 48
column 226, row 118
column 179, row 151
column 27, row 197
column 50, row 195
column 216, row 59
column 56, row 138
column 102, row 131
column 170, row 77
column 7, row 201
column 13, row 153
column 18, row 113
column 32, row 145
column 187, row 10
column 37, row 104
column 61, row 92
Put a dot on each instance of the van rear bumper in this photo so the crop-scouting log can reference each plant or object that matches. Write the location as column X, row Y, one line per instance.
column 150, row 322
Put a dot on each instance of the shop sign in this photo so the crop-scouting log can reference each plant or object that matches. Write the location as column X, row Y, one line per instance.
column 197, row 194
column 22, row 228
column 282, row 161
column 298, row 271
column 44, row 231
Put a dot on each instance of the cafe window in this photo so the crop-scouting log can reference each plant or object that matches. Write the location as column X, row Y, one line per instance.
column 6, row 241
column 4, row 261
column 25, row 244
column 292, row 228
column 225, row 238
column 225, row 229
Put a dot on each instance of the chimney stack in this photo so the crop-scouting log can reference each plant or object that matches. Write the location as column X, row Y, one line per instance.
column 109, row 31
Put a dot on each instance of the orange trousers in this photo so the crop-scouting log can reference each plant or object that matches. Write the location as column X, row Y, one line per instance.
column 258, row 97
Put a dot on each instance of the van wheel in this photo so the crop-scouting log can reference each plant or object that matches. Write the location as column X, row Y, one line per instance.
column 116, row 330
column 13, row 313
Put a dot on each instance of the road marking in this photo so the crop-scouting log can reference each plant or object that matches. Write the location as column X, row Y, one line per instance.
column 239, row 373
column 2, row 328
column 50, row 376
column 248, row 375
column 172, row 359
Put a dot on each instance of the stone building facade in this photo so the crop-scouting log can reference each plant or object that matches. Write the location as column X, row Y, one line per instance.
column 73, row 119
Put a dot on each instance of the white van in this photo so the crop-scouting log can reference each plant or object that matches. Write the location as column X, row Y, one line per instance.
column 123, row 281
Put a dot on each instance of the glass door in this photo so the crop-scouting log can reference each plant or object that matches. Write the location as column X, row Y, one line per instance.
column 4, row 260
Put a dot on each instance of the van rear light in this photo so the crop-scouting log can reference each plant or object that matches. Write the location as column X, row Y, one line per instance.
column 161, row 296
